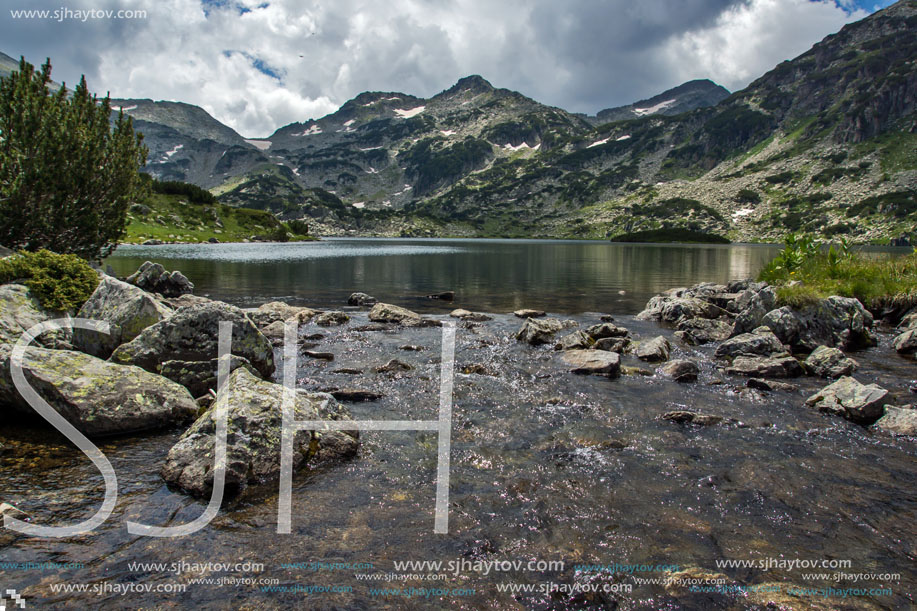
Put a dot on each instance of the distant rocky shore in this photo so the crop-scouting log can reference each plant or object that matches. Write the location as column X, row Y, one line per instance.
column 157, row 367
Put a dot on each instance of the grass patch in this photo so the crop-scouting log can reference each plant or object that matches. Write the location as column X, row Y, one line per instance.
column 60, row 282
column 816, row 273
column 671, row 235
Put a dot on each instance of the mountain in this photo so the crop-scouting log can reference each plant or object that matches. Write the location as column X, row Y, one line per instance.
column 685, row 97
column 825, row 142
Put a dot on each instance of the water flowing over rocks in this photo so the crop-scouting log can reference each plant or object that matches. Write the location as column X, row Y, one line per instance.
column 102, row 398
column 154, row 278
column 254, row 437
column 850, row 399
column 126, row 308
column 191, row 334
column 829, row 363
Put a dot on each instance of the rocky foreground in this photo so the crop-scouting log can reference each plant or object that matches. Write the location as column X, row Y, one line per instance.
column 157, row 367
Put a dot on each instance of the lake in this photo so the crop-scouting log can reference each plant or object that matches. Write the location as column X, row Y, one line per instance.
column 488, row 275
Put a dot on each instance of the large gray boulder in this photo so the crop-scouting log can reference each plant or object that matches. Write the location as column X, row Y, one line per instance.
column 361, row 299
column 255, row 419
column 191, row 334
column 906, row 343
column 126, row 308
column 898, row 421
column 574, row 341
column 153, row 277
column 680, row 370
column 598, row 362
column 536, row 331
column 838, row 322
column 653, row 350
column 850, row 399
column 829, row 363
column 102, row 398
column 200, row 377
column 386, row 312
column 762, row 342
column 751, row 306
column 20, row 311
column 704, row 330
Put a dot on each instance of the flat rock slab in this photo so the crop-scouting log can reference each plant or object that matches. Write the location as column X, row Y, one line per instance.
column 898, row 421
column 527, row 313
column 850, row 399
column 597, row 362
column 780, row 366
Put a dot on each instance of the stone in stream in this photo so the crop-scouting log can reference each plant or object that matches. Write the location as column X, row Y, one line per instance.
column 331, row 319
column 597, row 362
column 322, row 356
column 761, row 342
column 770, row 385
column 445, row 296
column 527, row 313
column 385, row 312
column 191, row 334
column 850, row 399
column 477, row 369
column 829, row 363
column 277, row 311
column 101, row 398
column 694, row 331
column 613, row 344
column 606, row 330
column 775, row 366
column 126, row 308
column 681, row 370
column 468, row 315
column 906, row 343
column 354, row 395
column 898, row 421
column 538, row 331
column 653, row 350
column 751, row 306
column 573, row 341
column 361, row 299
column 255, row 420
column 153, row 277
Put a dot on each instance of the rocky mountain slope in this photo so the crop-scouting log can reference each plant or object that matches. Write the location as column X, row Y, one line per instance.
column 825, row 142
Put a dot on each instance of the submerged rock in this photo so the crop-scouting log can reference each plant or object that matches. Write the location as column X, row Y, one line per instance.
column 126, row 308
column 898, row 421
column 654, row 350
column 385, row 312
column 829, row 363
column 850, row 399
column 688, row 417
column 361, row 299
column 538, row 331
column 355, row 395
column 393, row 366
column 255, row 419
column 597, row 362
column 681, row 370
column 191, row 334
column 102, row 398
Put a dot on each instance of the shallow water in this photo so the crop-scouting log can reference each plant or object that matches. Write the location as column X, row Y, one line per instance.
column 546, row 465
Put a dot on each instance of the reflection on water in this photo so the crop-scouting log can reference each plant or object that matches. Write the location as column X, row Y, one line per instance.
column 490, row 275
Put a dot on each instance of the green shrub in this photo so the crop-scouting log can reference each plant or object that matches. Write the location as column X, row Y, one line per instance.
column 194, row 193
column 59, row 282
column 779, row 179
column 748, row 196
column 298, row 226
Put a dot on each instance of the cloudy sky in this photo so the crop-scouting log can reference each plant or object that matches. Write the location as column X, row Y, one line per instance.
column 259, row 64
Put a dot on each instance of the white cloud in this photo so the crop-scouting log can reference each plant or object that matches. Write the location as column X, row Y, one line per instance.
column 581, row 55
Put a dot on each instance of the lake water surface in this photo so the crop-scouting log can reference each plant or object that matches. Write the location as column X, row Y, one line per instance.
column 488, row 275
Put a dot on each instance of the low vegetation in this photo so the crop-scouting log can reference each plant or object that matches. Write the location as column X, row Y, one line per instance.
column 61, row 283
column 806, row 271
